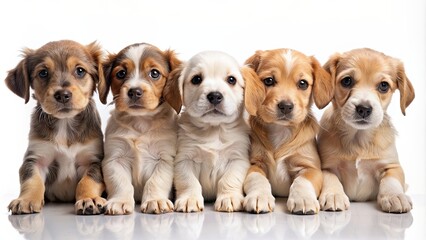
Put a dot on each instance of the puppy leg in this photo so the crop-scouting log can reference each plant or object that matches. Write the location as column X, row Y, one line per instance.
column 230, row 187
column 332, row 197
column 157, row 189
column 189, row 196
column 31, row 197
column 258, row 191
column 302, row 199
column 392, row 197
column 88, row 192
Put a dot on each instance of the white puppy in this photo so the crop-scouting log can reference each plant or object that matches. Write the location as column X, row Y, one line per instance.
column 213, row 141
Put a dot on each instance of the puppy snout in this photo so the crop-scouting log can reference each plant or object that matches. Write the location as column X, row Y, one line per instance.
column 364, row 111
column 215, row 98
column 62, row 96
column 134, row 93
column 285, row 107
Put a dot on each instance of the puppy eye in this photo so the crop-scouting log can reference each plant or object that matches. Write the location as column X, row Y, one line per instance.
column 121, row 74
column 80, row 72
column 270, row 81
column 155, row 74
column 303, row 84
column 231, row 80
column 347, row 82
column 196, row 80
column 43, row 73
column 383, row 87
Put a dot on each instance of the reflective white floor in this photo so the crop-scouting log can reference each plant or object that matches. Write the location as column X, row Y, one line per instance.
column 362, row 221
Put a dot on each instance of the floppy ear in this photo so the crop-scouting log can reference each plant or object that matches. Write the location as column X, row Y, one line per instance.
column 254, row 93
column 105, row 82
column 405, row 87
column 323, row 89
column 331, row 65
column 18, row 79
column 254, row 61
column 171, row 91
column 96, row 52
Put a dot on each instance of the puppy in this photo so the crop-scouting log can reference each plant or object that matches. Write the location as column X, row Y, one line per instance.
column 284, row 157
column 63, row 158
column 140, row 137
column 357, row 139
column 212, row 155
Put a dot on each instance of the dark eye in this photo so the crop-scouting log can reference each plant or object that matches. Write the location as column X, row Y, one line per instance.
column 43, row 73
column 80, row 72
column 303, row 84
column 196, row 80
column 121, row 74
column 383, row 87
column 270, row 81
column 231, row 80
column 347, row 82
column 155, row 74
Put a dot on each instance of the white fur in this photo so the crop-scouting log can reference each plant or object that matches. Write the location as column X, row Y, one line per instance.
column 302, row 196
column 290, row 59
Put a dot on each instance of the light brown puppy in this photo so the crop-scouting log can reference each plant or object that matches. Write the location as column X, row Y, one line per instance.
column 357, row 140
column 63, row 158
column 284, row 157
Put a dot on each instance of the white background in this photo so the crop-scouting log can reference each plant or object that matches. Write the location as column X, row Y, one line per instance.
column 318, row 28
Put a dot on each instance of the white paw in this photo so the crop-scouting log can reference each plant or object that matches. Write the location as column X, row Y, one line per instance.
column 157, row 206
column 334, row 201
column 119, row 206
column 229, row 203
column 395, row 203
column 259, row 203
column 302, row 204
column 189, row 204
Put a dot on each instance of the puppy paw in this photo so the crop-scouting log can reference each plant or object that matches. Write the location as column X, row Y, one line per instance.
column 157, row 206
column 334, row 202
column 190, row 204
column 229, row 203
column 259, row 203
column 395, row 203
column 26, row 206
column 119, row 207
column 302, row 205
column 90, row 206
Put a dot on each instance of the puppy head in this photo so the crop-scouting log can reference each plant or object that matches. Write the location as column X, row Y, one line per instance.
column 211, row 86
column 137, row 77
column 365, row 81
column 286, row 83
column 63, row 75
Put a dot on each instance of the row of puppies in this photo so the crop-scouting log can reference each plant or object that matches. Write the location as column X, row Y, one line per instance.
column 209, row 153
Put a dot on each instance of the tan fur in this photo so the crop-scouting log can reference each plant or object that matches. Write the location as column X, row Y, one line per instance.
column 360, row 162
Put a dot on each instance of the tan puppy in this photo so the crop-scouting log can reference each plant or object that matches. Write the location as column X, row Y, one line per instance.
column 65, row 149
column 140, row 138
column 284, row 154
column 357, row 139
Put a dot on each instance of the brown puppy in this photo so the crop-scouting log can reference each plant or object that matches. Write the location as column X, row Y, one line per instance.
column 62, row 162
column 284, row 154
column 357, row 139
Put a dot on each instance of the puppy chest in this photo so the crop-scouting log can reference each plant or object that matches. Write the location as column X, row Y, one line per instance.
column 279, row 178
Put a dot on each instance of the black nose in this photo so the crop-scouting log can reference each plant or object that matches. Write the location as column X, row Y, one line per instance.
column 62, row 96
column 134, row 93
column 364, row 111
column 285, row 107
column 215, row 97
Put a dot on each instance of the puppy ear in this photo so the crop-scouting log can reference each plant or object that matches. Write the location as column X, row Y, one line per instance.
column 254, row 93
column 96, row 52
column 172, row 59
column 331, row 65
column 323, row 89
column 105, row 82
column 405, row 87
column 18, row 79
column 254, row 61
column 171, row 91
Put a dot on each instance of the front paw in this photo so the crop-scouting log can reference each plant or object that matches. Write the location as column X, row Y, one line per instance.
column 334, row 202
column 157, row 206
column 395, row 203
column 302, row 205
column 90, row 206
column 119, row 206
column 259, row 203
column 189, row 204
column 229, row 203
column 26, row 206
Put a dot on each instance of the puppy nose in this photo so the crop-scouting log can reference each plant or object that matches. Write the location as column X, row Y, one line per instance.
column 62, row 96
column 285, row 107
column 134, row 93
column 364, row 111
column 215, row 97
